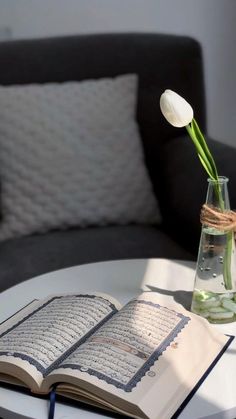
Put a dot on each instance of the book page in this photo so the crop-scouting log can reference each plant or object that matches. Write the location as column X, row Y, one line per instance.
column 48, row 334
column 145, row 350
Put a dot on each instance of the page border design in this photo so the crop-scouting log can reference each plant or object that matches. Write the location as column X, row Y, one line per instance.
column 150, row 361
column 55, row 364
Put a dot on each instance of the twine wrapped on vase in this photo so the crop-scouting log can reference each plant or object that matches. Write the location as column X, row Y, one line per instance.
column 220, row 220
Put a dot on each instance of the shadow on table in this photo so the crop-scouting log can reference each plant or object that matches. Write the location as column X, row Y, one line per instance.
column 172, row 278
column 180, row 296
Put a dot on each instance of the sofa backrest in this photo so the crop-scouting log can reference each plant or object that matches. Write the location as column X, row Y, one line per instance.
column 161, row 61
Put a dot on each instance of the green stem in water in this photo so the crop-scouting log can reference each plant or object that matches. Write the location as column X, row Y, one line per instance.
column 227, row 261
column 229, row 244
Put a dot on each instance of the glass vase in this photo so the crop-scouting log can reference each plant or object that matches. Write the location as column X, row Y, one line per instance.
column 214, row 295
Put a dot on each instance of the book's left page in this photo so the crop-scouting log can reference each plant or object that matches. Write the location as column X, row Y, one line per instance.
column 36, row 340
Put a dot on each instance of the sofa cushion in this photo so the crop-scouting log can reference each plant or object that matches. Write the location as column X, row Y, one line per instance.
column 71, row 155
column 60, row 249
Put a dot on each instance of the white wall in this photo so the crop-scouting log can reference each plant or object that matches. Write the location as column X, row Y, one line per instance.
column 212, row 22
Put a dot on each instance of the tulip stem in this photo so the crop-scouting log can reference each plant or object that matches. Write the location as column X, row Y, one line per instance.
column 209, row 165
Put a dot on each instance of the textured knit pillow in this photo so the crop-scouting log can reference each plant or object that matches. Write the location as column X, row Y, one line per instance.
column 71, row 155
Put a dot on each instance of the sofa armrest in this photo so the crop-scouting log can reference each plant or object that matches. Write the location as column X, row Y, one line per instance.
column 184, row 187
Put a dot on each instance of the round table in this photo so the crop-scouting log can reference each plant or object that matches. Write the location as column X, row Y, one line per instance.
column 122, row 279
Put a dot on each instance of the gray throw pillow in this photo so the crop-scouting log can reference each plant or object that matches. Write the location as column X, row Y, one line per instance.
column 71, row 155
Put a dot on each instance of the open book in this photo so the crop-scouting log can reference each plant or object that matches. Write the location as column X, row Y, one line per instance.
column 142, row 360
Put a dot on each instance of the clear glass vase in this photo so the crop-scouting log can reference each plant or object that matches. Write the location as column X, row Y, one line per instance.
column 214, row 295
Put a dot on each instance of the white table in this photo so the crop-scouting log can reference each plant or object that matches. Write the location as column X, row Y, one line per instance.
column 216, row 397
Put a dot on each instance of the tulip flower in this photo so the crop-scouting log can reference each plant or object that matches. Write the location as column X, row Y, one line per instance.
column 179, row 113
column 176, row 109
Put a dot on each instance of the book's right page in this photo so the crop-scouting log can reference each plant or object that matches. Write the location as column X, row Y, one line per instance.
column 145, row 361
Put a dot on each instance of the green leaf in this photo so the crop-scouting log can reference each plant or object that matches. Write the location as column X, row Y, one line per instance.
column 201, row 153
column 206, row 167
column 200, row 138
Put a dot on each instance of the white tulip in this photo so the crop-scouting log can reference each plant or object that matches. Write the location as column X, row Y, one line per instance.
column 175, row 109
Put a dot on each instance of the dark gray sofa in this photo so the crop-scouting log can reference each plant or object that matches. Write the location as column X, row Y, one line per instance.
column 161, row 62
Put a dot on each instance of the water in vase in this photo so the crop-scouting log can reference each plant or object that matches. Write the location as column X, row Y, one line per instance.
column 211, row 299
